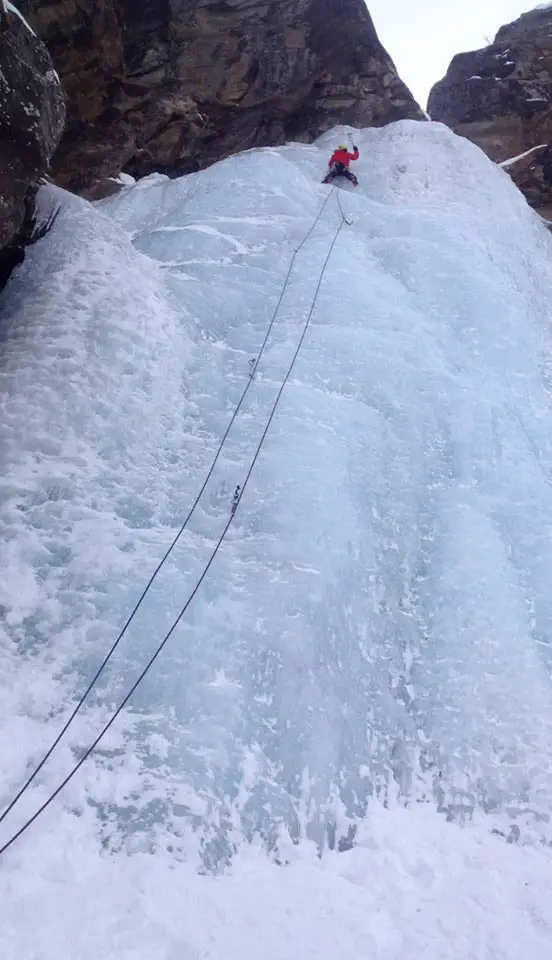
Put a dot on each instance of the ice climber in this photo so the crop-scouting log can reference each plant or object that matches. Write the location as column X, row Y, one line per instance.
column 339, row 164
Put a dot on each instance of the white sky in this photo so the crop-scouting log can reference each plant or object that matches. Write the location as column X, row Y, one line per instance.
column 422, row 36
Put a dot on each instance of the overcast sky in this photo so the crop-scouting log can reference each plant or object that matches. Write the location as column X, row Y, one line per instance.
column 422, row 36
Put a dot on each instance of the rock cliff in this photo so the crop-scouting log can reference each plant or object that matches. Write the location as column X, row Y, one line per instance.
column 173, row 85
column 500, row 97
column 31, row 119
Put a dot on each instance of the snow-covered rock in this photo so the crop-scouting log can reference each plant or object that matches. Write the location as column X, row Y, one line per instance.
column 32, row 115
column 501, row 98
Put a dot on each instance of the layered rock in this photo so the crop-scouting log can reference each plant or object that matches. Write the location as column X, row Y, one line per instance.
column 500, row 97
column 31, row 119
column 172, row 85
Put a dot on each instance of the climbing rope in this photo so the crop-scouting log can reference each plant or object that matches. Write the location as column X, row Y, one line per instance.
column 237, row 500
column 252, row 370
column 346, row 218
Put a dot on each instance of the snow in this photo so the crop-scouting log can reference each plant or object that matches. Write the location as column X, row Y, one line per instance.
column 368, row 663
column 412, row 887
column 54, row 75
column 126, row 179
column 520, row 156
column 11, row 8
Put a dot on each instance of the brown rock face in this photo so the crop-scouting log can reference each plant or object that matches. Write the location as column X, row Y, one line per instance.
column 31, row 119
column 173, row 85
column 501, row 99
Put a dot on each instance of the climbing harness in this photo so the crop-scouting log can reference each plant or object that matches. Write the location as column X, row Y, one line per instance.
column 236, row 500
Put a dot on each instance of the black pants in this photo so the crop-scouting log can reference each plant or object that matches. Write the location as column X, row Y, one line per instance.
column 340, row 170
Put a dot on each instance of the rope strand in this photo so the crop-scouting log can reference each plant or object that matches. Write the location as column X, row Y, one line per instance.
column 28, row 823
column 80, row 703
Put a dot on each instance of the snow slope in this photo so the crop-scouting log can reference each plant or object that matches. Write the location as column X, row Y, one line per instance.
column 376, row 627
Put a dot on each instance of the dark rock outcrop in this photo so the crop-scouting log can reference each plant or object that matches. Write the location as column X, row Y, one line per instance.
column 31, row 122
column 500, row 97
column 173, row 85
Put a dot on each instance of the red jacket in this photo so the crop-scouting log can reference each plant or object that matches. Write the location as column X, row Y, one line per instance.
column 344, row 157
